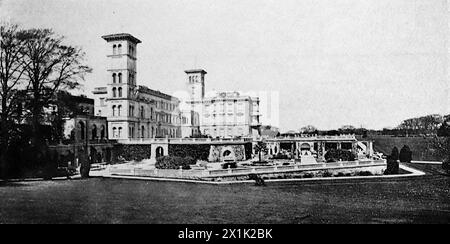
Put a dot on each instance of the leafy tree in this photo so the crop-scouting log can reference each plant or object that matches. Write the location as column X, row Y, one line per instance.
column 52, row 66
column 442, row 146
column 347, row 129
column 309, row 129
column 444, row 130
column 260, row 147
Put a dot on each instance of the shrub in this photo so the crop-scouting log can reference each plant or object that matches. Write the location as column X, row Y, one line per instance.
column 171, row 162
column 327, row 174
column 405, row 154
column 394, row 154
column 392, row 163
column 334, row 155
column 444, row 130
column 392, row 167
column 340, row 174
column 308, row 175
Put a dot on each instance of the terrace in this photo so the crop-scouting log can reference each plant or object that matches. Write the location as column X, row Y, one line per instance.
column 243, row 171
column 342, row 138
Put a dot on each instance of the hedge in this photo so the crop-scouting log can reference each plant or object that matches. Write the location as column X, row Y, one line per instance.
column 334, row 155
column 133, row 152
column 196, row 151
column 172, row 162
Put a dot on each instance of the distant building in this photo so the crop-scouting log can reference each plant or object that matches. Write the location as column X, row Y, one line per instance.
column 228, row 114
column 133, row 111
column 190, row 124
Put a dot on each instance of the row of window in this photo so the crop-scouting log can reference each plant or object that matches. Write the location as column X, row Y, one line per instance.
column 117, row 49
column 94, row 131
column 117, row 92
column 117, row 78
column 117, row 132
column 165, row 105
column 221, row 132
column 160, row 117
column 193, row 78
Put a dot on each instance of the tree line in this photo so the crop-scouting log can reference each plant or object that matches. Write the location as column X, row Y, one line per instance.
column 429, row 125
column 35, row 65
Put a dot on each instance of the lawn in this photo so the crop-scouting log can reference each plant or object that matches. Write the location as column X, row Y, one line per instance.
column 409, row 200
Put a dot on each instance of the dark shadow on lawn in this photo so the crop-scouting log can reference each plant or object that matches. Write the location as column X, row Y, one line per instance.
column 22, row 182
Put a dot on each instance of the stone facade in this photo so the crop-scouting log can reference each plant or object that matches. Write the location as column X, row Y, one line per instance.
column 228, row 114
column 133, row 111
column 190, row 124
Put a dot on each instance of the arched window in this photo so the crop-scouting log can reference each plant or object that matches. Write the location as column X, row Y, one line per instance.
column 94, row 132
column 151, row 113
column 120, row 132
column 119, row 48
column 142, row 112
column 119, row 110
column 102, row 132
column 114, row 92
column 120, row 77
column 114, row 49
column 114, row 77
column 82, row 130
column 114, row 132
column 114, row 110
column 120, row 91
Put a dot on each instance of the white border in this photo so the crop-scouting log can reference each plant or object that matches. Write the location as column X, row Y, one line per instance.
column 414, row 173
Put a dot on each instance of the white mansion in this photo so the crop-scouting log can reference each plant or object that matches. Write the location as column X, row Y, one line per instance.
column 228, row 114
column 135, row 111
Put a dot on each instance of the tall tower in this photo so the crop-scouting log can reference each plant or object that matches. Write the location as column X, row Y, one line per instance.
column 122, row 65
column 196, row 84
column 121, row 85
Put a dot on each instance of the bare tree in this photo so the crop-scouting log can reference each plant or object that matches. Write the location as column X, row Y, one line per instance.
column 52, row 66
column 12, row 68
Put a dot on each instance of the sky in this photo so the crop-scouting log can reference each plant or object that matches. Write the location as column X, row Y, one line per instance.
column 326, row 63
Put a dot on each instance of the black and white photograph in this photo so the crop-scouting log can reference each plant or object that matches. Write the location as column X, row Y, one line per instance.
column 228, row 112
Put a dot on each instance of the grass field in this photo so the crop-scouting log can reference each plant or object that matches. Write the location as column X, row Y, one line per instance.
column 424, row 199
